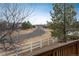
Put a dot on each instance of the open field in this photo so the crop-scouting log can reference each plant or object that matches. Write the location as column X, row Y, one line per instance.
column 24, row 31
column 23, row 43
column 47, row 35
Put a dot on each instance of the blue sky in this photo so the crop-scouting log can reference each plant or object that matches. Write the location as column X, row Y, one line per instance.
column 77, row 10
column 41, row 12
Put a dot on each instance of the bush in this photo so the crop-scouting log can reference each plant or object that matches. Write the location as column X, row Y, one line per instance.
column 72, row 37
column 26, row 25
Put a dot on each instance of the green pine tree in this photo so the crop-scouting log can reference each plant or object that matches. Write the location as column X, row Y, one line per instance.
column 63, row 17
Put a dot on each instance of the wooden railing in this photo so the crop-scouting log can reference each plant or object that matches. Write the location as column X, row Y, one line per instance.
column 62, row 49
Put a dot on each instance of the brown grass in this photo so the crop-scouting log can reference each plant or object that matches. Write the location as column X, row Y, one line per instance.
column 24, row 31
column 45, row 36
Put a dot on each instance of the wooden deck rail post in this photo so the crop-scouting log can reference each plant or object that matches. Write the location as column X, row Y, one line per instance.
column 76, row 48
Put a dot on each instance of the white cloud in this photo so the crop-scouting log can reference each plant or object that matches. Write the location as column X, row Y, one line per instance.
column 40, row 18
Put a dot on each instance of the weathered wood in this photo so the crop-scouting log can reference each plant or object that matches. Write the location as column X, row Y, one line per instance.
column 70, row 49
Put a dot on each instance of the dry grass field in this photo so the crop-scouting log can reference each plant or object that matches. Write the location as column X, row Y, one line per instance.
column 25, row 42
column 24, row 31
column 45, row 36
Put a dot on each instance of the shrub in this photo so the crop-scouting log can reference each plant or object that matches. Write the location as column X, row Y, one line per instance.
column 26, row 25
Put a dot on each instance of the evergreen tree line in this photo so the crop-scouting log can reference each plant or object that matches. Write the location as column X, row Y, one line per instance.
column 64, row 21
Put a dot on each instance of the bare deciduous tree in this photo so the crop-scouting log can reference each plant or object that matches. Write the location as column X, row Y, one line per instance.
column 13, row 17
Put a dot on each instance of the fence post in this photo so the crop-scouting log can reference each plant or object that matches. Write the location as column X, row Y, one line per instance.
column 53, row 40
column 40, row 43
column 17, row 35
column 17, row 51
column 48, row 41
column 31, row 47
